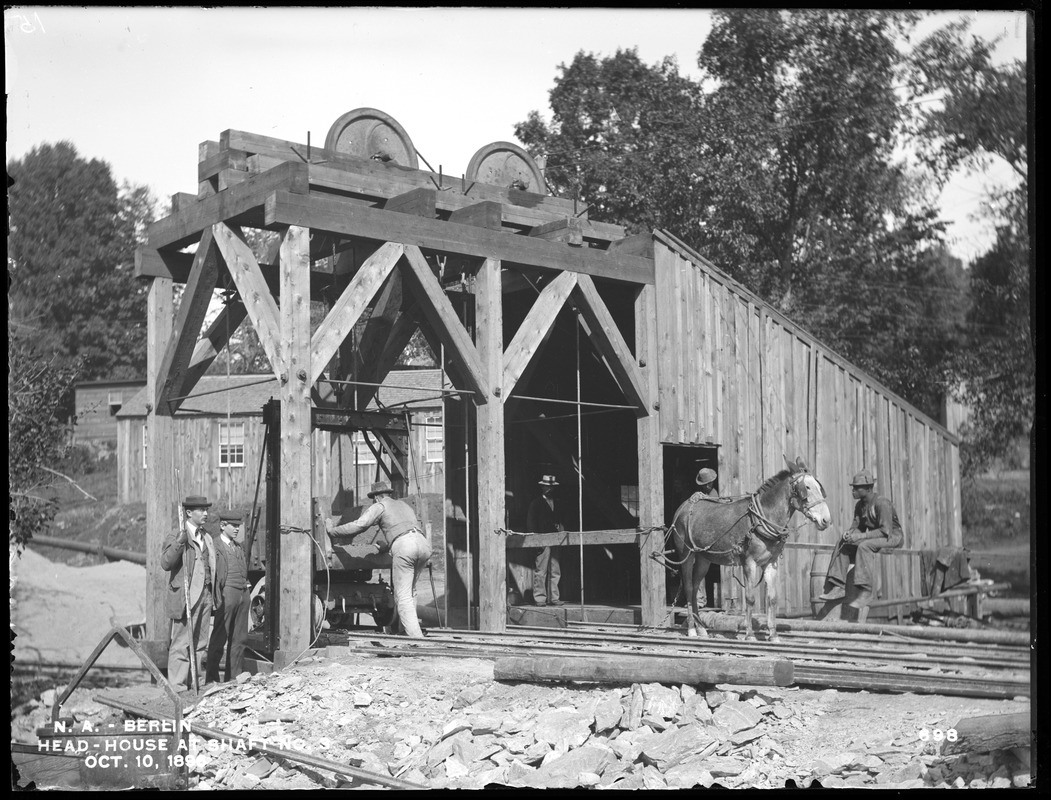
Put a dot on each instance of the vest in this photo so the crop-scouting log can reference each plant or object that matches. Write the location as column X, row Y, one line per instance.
column 236, row 568
column 397, row 518
column 201, row 578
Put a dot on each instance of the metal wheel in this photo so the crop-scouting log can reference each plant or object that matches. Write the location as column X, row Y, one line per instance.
column 369, row 133
column 507, row 165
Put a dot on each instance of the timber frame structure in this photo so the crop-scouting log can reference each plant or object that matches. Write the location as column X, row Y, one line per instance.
column 362, row 235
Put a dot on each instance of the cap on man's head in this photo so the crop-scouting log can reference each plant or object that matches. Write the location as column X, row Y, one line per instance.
column 380, row 487
column 548, row 480
column 705, row 476
column 233, row 517
column 196, row 501
column 863, row 478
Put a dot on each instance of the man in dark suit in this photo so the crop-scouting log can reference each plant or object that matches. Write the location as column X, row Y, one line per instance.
column 544, row 517
column 230, row 627
column 189, row 551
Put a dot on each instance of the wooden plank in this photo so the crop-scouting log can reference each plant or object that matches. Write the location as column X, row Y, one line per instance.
column 534, row 329
column 347, row 309
column 678, row 387
column 651, row 478
column 418, row 202
column 182, row 200
column 294, row 628
column 444, row 322
column 211, row 165
column 161, row 488
column 256, row 296
column 618, row 669
column 639, row 244
column 569, row 231
column 694, row 377
column 486, row 214
column 185, row 226
column 492, row 557
column 362, row 362
column 333, row 215
column 172, row 375
column 215, row 339
column 609, row 342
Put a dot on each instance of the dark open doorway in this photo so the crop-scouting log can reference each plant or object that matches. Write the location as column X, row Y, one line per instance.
column 681, row 465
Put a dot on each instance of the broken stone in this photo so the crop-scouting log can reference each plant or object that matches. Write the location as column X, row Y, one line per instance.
column 469, row 696
column 607, row 714
column 688, row 776
column 675, row 745
column 519, row 774
column 696, row 709
column 562, row 725
column 724, row 766
column 911, row 771
column 831, row 763
column 564, row 770
column 455, row 768
column 716, row 698
column 657, row 723
column 661, row 701
column 633, row 714
column 535, row 753
column 652, row 779
column 485, row 724
column 454, row 727
column 744, row 737
column 736, row 716
column 362, row 699
column 1000, row 782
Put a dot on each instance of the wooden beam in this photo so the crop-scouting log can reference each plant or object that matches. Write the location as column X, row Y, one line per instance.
column 346, row 311
column 641, row 244
column 443, row 320
column 255, row 294
column 534, row 328
column 651, row 467
column 418, row 202
column 172, row 376
column 611, row 345
column 296, row 557
column 212, row 164
column 333, row 419
column 239, row 204
column 486, row 214
column 386, row 335
column 569, row 230
column 215, row 339
column 492, row 557
column 516, row 540
column 992, row 732
column 160, row 471
column 617, row 669
column 337, row 216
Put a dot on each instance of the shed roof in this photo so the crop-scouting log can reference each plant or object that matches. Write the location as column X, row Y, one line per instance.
column 245, row 395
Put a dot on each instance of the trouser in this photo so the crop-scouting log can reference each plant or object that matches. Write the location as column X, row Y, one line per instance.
column 229, row 631
column 409, row 555
column 179, row 651
column 546, row 573
column 864, row 555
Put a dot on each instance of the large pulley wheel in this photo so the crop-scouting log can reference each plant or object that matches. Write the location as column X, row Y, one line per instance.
column 506, row 165
column 369, row 133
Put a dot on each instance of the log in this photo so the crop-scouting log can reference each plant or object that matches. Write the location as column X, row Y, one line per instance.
column 646, row 669
column 717, row 621
column 110, row 553
column 992, row 732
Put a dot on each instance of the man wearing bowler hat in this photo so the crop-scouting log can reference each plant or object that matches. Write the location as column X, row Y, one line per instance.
column 189, row 551
column 706, row 482
column 875, row 528
column 544, row 517
column 400, row 534
column 230, row 626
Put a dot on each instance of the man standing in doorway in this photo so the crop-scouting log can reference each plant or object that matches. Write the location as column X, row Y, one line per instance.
column 875, row 528
column 230, row 627
column 706, row 482
column 543, row 517
column 189, row 551
column 400, row 534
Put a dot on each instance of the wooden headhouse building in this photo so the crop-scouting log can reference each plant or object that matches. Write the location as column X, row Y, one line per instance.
column 620, row 364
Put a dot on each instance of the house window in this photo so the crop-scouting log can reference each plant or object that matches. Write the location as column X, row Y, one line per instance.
column 231, row 444
column 114, row 400
column 145, row 431
column 434, row 438
column 363, row 454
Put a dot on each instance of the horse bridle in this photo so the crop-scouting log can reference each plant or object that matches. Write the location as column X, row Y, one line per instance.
column 801, row 495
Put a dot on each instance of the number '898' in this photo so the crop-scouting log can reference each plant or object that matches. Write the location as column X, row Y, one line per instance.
column 937, row 735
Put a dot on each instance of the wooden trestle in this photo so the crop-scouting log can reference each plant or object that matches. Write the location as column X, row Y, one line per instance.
column 375, row 219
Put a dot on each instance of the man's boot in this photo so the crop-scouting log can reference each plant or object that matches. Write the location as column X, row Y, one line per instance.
column 836, row 592
column 862, row 598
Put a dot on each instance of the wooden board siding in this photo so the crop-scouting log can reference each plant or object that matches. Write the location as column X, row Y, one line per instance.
column 96, row 418
column 197, row 454
column 732, row 369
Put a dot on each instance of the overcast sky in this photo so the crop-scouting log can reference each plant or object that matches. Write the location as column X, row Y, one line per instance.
column 141, row 87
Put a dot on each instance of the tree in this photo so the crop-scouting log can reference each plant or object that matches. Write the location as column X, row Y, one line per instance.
column 71, row 260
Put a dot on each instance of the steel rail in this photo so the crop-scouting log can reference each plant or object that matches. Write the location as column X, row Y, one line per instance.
column 826, row 676
column 736, row 647
column 251, row 743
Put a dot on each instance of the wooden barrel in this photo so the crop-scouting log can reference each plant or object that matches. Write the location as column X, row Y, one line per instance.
column 818, row 572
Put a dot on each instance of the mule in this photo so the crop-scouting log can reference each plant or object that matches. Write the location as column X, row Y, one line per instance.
column 750, row 531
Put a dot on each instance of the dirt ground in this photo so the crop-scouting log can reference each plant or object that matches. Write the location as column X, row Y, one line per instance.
column 445, row 723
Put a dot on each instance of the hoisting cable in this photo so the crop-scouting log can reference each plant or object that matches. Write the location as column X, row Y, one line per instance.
column 580, row 473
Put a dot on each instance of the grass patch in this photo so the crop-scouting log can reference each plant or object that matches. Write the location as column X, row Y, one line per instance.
column 997, row 528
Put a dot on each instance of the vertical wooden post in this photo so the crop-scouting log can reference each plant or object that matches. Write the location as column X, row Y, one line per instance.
column 492, row 553
column 160, row 473
column 297, row 569
column 651, row 473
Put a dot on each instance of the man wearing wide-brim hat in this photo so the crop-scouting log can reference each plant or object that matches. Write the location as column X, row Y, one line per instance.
column 543, row 516
column 876, row 527
column 400, row 534
column 189, row 550
column 706, row 482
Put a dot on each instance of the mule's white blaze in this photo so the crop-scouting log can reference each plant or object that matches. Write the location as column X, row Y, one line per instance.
column 817, row 507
